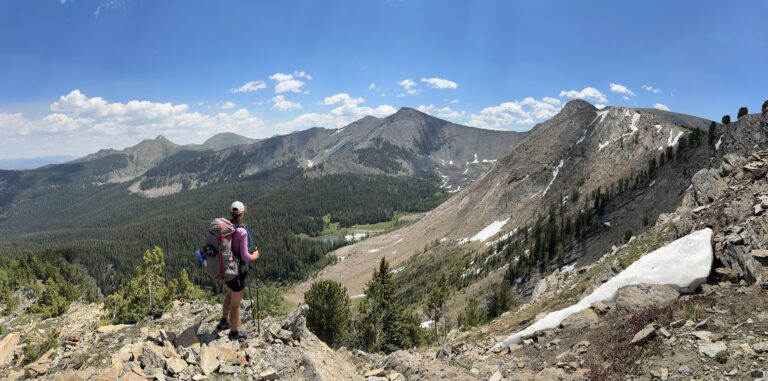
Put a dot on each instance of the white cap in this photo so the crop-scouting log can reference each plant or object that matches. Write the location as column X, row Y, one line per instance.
column 237, row 207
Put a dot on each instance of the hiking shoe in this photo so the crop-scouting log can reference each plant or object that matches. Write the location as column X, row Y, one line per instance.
column 223, row 325
column 237, row 336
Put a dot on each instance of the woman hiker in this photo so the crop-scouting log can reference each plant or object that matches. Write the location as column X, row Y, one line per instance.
column 235, row 288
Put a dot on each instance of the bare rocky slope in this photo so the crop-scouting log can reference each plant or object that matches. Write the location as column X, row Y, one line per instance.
column 581, row 149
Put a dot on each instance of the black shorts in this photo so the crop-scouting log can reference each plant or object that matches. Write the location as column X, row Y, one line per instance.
column 239, row 283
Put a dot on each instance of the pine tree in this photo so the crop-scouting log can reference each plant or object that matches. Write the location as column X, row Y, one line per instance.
column 743, row 111
column 147, row 294
column 52, row 301
column 765, row 107
column 726, row 119
column 436, row 308
column 500, row 299
column 382, row 318
column 328, row 315
column 183, row 290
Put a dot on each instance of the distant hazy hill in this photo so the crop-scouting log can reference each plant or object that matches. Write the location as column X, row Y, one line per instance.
column 226, row 140
column 31, row 163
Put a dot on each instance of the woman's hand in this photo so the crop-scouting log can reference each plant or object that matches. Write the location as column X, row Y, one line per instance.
column 255, row 255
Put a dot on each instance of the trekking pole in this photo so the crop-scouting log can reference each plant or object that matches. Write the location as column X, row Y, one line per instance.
column 258, row 308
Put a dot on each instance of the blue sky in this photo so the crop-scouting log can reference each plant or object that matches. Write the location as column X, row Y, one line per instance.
column 77, row 75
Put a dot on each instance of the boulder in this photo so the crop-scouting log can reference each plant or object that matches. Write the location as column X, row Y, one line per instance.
column 740, row 258
column 111, row 328
column 175, row 365
column 756, row 169
column 69, row 375
column 760, row 347
column 268, row 375
column 188, row 338
column 582, row 319
column 7, row 348
column 641, row 296
column 152, row 356
column 378, row 372
column 708, row 186
column 711, row 349
column 644, row 334
column 727, row 275
column 110, row 374
column 209, row 359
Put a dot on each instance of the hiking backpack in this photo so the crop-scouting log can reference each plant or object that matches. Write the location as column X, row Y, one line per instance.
column 221, row 263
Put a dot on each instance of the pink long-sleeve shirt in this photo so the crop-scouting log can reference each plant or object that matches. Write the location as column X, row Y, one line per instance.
column 240, row 245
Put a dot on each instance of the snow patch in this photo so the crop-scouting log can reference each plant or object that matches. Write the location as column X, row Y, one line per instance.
column 603, row 145
column 474, row 162
column 683, row 264
column 719, row 142
column 310, row 163
column 462, row 241
column 583, row 136
column 399, row 240
column 601, row 115
column 357, row 296
column 374, row 250
column 337, row 131
column 554, row 176
column 427, row 324
column 465, row 171
column 672, row 141
column 489, row 231
column 633, row 125
column 658, row 128
column 568, row 268
column 652, row 183
column 607, row 223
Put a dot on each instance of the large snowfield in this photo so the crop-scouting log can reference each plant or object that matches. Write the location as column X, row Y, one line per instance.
column 683, row 264
column 489, row 231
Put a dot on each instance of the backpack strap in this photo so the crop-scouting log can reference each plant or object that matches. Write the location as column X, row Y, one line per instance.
column 251, row 245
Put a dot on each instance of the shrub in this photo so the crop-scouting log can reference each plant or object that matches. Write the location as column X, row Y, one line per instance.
column 722, row 357
column 328, row 315
column 726, row 119
column 743, row 111
column 765, row 107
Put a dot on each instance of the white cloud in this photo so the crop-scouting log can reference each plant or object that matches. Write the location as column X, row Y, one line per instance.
column 455, row 101
column 441, row 112
column 551, row 100
column 526, row 112
column 76, row 113
column 249, row 86
column 302, row 74
column 347, row 109
column 651, row 89
column 409, row 86
column 660, row 106
column 406, row 84
column 600, row 106
column 440, row 83
column 280, row 104
column 588, row 93
column 342, row 98
column 228, row 106
column 621, row 89
column 287, row 83
column 372, row 87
